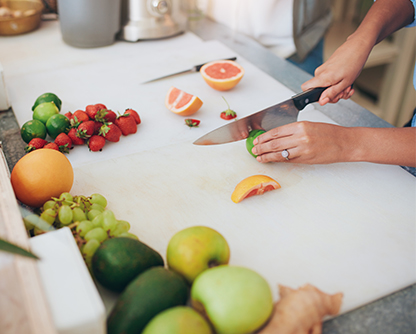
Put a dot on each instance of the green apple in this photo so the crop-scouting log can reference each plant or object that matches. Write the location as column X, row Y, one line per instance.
column 236, row 300
column 195, row 249
column 178, row 320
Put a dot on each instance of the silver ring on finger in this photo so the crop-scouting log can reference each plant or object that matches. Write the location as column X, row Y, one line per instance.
column 285, row 154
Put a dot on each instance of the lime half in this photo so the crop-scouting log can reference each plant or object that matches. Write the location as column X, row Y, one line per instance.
column 249, row 141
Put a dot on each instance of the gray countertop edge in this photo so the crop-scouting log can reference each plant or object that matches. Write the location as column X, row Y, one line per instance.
column 395, row 313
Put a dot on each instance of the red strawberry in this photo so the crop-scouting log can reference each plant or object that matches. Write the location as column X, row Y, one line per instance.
column 81, row 116
column 52, row 146
column 111, row 132
column 96, row 143
column 134, row 114
column 127, row 124
column 97, row 127
column 69, row 115
column 35, row 144
column 106, row 116
column 64, row 142
column 74, row 138
column 86, row 129
column 192, row 122
column 92, row 109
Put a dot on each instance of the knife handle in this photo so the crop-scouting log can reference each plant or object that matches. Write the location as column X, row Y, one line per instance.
column 301, row 100
column 198, row 67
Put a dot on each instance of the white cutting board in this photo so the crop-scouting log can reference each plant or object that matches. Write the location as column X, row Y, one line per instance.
column 344, row 227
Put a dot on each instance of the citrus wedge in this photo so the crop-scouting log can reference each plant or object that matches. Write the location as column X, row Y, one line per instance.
column 223, row 74
column 182, row 103
column 253, row 185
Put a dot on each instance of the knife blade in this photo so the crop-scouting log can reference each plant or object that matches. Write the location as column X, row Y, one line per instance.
column 195, row 68
column 277, row 115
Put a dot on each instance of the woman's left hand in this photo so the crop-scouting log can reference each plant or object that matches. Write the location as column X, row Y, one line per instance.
column 305, row 142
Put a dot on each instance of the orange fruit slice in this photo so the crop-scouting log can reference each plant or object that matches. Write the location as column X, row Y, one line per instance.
column 223, row 74
column 253, row 185
column 40, row 175
column 182, row 103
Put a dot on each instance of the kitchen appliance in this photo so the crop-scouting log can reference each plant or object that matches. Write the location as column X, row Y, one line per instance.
column 277, row 115
column 151, row 19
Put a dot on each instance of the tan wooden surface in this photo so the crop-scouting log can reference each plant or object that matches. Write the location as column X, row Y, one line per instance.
column 23, row 306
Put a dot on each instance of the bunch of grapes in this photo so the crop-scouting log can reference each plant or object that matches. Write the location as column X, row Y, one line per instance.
column 87, row 217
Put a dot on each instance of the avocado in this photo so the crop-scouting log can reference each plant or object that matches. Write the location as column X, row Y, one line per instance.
column 119, row 260
column 150, row 293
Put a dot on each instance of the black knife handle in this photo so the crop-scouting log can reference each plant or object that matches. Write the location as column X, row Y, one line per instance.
column 198, row 67
column 301, row 100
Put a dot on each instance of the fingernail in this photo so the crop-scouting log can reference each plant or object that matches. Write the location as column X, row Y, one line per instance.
column 254, row 151
column 255, row 141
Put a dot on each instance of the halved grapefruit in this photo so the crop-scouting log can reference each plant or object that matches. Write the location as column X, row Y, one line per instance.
column 182, row 103
column 222, row 74
column 253, row 185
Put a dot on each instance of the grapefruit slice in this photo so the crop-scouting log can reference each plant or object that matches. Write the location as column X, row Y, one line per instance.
column 182, row 103
column 222, row 74
column 253, row 185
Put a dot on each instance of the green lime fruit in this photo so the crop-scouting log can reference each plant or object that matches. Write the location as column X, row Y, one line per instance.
column 45, row 110
column 48, row 97
column 249, row 141
column 57, row 124
column 33, row 129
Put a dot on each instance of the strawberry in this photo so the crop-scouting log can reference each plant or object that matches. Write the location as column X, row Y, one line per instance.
column 64, row 142
column 52, row 146
column 81, row 116
column 228, row 114
column 111, row 132
column 97, row 127
column 192, row 122
column 74, row 138
column 127, row 124
column 134, row 114
column 69, row 115
column 86, row 129
column 35, row 144
column 106, row 116
column 92, row 109
column 96, row 143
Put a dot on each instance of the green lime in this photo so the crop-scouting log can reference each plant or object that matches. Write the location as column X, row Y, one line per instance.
column 45, row 110
column 33, row 129
column 57, row 124
column 48, row 97
column 249, row 141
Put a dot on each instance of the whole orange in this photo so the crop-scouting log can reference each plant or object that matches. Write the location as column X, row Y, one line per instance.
column 40, row 175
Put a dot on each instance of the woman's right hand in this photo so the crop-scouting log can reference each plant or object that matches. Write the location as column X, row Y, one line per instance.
column 340, row 70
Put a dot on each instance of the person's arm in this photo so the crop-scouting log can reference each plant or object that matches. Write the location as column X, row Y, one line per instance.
column 343, row 67
column 321, row 143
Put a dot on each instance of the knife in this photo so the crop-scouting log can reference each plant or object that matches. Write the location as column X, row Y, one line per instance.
column 277, row 115
column 195, row 68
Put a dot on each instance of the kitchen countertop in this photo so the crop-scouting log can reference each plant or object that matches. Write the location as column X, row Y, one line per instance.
column 392, row 314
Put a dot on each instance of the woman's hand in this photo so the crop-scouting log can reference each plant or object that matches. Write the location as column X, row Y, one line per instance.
column 340, row 70
column 306, row 142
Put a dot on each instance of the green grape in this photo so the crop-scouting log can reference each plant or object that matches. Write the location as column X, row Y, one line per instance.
column 90, row 247
column 66, row 197
column 84, row 227
column 121, row 227
column 98, row 220
column 48, row 216
column 65, row 215
column 31, row 221
column 96, row 233
column 128, row 235
column 96, row 206
column 109, row 220
column 48, row 205
column 98, row 199
column 92, row 214
column 78, row 214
